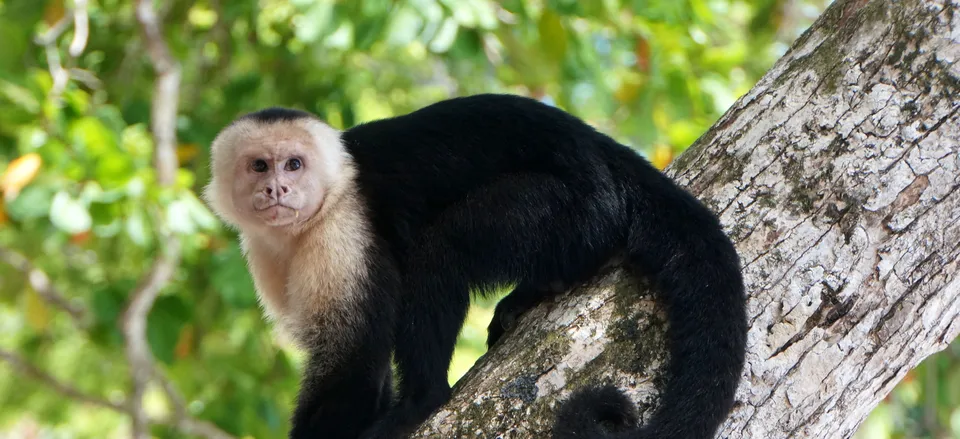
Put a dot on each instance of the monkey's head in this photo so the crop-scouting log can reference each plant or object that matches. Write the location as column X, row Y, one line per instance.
column 273, row 169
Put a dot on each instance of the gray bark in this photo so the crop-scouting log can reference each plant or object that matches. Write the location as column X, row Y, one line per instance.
column 837, row 178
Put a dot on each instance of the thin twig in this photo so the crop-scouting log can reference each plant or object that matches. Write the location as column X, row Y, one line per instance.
column 59, row 74
column 163, row 126
column 81, row 28
column 41, row 283
column 51, row 35
column 25, row 368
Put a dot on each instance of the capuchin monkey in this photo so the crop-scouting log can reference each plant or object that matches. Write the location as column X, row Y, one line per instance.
column 364, row 243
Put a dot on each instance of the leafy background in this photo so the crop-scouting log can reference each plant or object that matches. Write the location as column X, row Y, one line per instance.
column 82, row 204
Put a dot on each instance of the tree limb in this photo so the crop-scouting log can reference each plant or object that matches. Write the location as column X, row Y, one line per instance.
column 838, row 178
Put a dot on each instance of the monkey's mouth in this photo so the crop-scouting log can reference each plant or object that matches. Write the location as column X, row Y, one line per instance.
column 272, row 207
column 274, row 211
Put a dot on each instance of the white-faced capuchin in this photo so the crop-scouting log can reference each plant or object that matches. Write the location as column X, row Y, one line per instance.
column 366, row 242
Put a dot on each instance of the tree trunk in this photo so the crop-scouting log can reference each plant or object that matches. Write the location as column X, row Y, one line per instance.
column 837, row 178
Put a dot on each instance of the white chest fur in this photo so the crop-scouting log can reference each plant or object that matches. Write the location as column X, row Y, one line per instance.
column 315, row 276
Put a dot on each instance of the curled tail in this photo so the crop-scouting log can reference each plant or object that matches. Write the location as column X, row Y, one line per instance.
column 679, row 244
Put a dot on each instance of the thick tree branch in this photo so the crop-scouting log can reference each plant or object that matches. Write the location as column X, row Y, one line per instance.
column 41, row 283
column 838, row 178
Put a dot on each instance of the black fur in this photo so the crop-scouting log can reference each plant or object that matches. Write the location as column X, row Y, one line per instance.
column 276, row 114
column 498, row 189
column 595, row 412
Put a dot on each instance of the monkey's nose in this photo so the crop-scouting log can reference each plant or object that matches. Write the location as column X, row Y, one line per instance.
column 271, row 190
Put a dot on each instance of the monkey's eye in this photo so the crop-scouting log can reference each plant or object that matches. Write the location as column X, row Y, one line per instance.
column 293, row 164
column 259, row 165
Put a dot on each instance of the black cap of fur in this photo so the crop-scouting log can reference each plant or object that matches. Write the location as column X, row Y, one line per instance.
column 595, row 412
column 277, row 114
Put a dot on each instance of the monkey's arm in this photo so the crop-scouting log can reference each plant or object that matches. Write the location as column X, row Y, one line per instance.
column 347, row 381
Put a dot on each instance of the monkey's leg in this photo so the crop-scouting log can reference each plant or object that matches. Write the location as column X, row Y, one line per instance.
column 511, row 307
column 527, row 228
column 338, row 401
column 433, row 311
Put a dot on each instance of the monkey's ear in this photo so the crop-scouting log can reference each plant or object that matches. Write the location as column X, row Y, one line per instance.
column 220, row 207
column 209, row 195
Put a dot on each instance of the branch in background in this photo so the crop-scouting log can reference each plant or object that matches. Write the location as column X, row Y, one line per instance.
column 41, row 283
column 184, row 423
column 163, row 126
column 81, row 31
column 81, row 28
column 59, row 74
column 163, row 115
column 25, row 368
column 134, row 319
column 134, row 327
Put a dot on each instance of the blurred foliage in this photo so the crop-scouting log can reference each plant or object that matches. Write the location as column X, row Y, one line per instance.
column 80, row 199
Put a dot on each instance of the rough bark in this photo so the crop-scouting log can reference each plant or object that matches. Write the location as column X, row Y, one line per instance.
column 837, row 177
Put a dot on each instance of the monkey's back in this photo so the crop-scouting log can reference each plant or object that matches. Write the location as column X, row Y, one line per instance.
column 413, row 167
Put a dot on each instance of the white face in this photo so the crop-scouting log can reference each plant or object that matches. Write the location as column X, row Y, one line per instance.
column 273, row 175
column 274, row 183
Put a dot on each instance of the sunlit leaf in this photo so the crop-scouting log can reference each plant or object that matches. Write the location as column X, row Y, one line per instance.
column 313, row 23
column 662, row 156
column 19, row 173
column 179, row 219
column 684, row 132
column 445, row 36
column 201, row 16
column 114, row 170
column 136, row 227
column 200, row 213
column 69, row 215
column 463, row 13
column 404, row 26
column 90, row 133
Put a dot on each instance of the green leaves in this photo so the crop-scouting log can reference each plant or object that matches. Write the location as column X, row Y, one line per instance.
column 553, row 36
column 168, row 316
column 231, row 278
